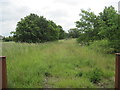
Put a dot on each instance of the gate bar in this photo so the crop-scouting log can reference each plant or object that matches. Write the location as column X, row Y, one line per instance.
column 3, row 72
column 117, row 72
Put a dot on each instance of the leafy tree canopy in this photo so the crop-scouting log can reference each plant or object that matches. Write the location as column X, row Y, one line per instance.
column 34, row 28
column 97, row 27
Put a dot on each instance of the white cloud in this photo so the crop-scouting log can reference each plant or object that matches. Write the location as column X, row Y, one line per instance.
column 63, row 12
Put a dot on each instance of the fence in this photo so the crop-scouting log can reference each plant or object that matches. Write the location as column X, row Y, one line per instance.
column 3, row 72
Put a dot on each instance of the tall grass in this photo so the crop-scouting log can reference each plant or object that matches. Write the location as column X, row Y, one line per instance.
column 62, row 64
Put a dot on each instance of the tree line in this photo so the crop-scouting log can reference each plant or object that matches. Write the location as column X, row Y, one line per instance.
column 104, row 26
column 90, row 28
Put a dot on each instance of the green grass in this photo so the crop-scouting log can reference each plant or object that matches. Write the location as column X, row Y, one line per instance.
column 61, row 64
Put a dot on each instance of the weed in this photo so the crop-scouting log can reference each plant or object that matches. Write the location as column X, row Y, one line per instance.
column 95, row 75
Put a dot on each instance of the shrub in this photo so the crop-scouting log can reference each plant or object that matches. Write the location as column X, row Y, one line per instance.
column 95, row 75
column 101, row 46
column 80, row 74
column 7, row 39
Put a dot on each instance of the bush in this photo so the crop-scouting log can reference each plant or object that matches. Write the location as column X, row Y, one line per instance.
column 95, row 75
column 7, row 39
column 116, row 45
column 83, row 40
column 80, row 74
column 101, row 46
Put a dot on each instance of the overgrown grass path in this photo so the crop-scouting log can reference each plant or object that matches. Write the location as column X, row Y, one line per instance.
column 62, row 64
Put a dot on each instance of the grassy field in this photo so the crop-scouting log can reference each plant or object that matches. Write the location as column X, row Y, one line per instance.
column 62, row 64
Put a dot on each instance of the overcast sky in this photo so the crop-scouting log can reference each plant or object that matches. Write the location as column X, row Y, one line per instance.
column 62, row 12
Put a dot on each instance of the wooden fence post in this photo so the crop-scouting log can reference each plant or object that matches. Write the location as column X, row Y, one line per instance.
column 117, row 72
column 3, row 72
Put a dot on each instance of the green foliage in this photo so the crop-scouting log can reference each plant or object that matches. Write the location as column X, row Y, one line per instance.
column 87, row 27
column 83, row 39
column 98, row 27
column 73, row 33
column 62, row 64
column 7, row 39
column 72, row 83
column 101, row 46
column 35, row 29
column 61, row 32
column 95, row 75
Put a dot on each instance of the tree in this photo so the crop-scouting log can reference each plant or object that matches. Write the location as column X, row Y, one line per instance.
column 73, row 33
column 104, row 26
column 112, row 24
column 7, row 39
column 110, row 19
column 88, row 27
column 34, row 28
column 61, row 32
